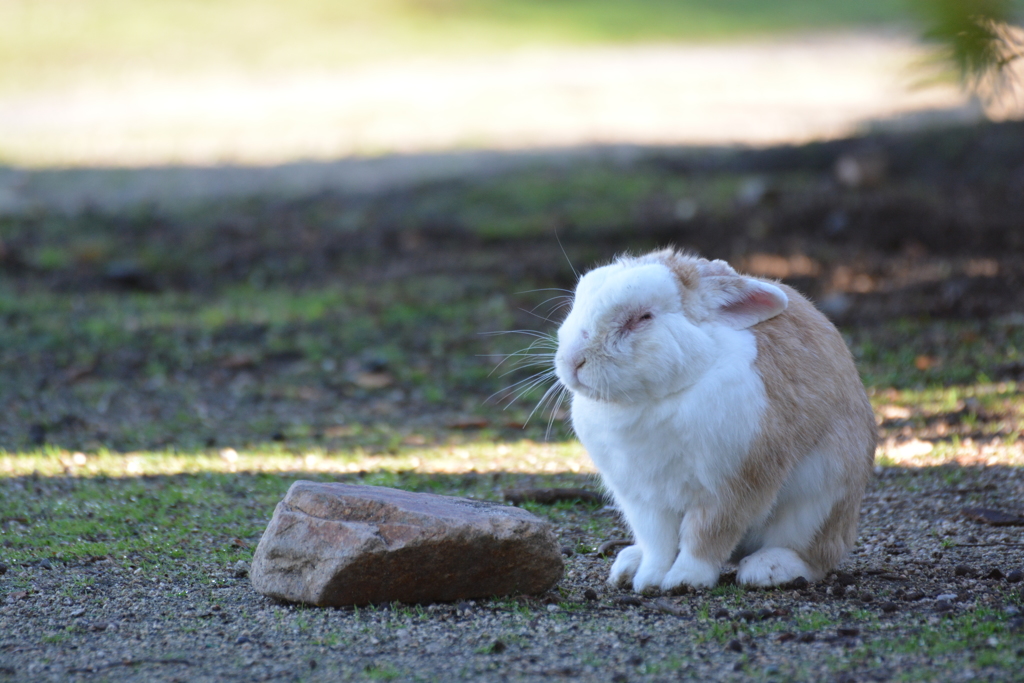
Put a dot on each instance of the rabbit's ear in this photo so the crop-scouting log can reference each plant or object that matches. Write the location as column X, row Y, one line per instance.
column 740, row 302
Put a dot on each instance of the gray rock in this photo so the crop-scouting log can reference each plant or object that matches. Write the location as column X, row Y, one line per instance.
column 342, row 544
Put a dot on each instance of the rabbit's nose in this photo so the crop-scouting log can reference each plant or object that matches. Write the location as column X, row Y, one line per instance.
column 577, row 361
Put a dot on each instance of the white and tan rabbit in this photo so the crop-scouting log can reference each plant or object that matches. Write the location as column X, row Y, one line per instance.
column 726, row 417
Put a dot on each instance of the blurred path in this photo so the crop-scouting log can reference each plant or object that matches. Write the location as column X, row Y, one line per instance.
column 750, row 94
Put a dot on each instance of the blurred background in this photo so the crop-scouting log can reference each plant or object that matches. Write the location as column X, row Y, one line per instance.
column 113, row 83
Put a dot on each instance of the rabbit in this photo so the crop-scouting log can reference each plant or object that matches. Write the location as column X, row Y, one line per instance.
column 726, row 418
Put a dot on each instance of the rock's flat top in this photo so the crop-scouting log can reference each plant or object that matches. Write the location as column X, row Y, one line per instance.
column 356, row 503
column 344, row 544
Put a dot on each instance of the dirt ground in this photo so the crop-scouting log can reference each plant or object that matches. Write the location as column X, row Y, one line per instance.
column 927, row 595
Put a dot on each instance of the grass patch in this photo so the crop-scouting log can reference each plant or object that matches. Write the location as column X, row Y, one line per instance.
column 983, row 631
column 972, row 640
column 945, row 360
column 382, row 347
column 382, row 672
column 148, row 523
column 153, row 510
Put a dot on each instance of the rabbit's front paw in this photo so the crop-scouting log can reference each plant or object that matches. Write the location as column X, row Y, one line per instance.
column 772, row 566
column 625, row 566
column 688, row 570
column 649, row 575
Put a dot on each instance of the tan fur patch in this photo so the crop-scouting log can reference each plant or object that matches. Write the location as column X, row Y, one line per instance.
column 808, row 371
column 684, row 269
column 815, row 400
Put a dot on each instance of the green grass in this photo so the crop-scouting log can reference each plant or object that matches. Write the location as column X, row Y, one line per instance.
column 983, row 634
column 383, row 672
column 55, row 41
column 158, row 509
column 425, row 332
column 960, row 353
column 149, row 523
column 983, row 630
column 717, row 632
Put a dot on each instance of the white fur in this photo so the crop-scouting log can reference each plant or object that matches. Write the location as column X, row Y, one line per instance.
column 688, row 570
column 627, row 368
column 771, row 566
column 625, row 566
column 666, row 413
column 805, row 500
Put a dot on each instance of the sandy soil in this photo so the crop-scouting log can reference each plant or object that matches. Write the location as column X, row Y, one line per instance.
column 372, row 127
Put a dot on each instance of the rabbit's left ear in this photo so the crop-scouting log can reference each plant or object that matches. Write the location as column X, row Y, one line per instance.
column 740, row 302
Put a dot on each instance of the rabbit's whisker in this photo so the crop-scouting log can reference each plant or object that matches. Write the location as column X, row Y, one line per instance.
column 529, row 351
column 522, row 365
column 537, row 315
column 531, row 333
column 523, row 386
column 526, row 390
column 565, row 301
column 567, row 259
column 569, row 292
column 559, row 397
column 554, row 387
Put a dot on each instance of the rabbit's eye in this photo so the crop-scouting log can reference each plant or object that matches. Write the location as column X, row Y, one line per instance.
column 635, row 321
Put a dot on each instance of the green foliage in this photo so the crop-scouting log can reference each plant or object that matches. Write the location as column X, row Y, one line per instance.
column 665, row 666
column 814, row 621
column 728, row 591
column 975, row 35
